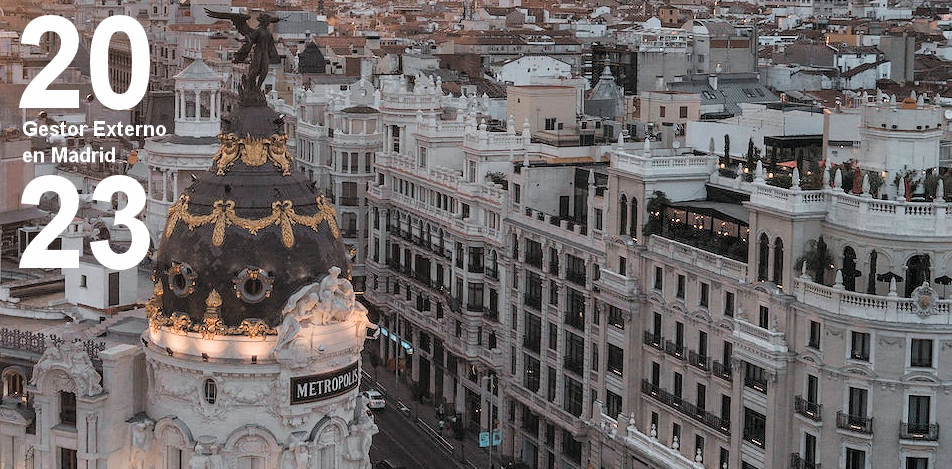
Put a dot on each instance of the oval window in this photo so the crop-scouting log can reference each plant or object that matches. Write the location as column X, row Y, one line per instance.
column 181, row 279
column 253, row 285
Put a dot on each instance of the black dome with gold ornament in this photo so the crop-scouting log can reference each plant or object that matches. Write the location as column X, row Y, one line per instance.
column 244, row 237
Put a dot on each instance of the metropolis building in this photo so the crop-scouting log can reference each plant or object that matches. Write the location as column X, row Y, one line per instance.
column 250, row 357
column 627, row 306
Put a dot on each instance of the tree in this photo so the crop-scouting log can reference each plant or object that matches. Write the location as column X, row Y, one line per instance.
column 751, row 155
column 727, row 149
column 817, row 257
column 655, row 206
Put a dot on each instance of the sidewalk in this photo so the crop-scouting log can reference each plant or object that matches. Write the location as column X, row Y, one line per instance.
column 466, row 451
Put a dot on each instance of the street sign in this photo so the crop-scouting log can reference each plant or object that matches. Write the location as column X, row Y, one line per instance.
column 483, row 439
column 497, row 437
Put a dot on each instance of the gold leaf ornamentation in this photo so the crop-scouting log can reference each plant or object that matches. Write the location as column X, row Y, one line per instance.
column 228, row 150
column 282, row 214
column 278, row 152
column 254, row 151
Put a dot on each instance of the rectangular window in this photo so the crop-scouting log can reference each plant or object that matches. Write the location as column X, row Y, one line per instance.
column 703, row 296
column 67, row 401
column 655, row 374
column 857, row 403
column 573, row 397
column 421, row 160
column 919, row 416
column 678, row 385
column 68, row 459
column 729, row 304
column 679, row 335
column 813, row 389
column 616, row 359
column 622, row 265
column 550, row 123
column 550, row 384
column 809, row 449
column 701, row 402
column 658, row 278
column 616, row 317
column 855, row 459
column 763, row 319
column 755, row 427
column 553, row 336
column 662, row 111
column 725, row 408
column 921, row 353
column 814, row 341
column 532, row 373
column 684, row 112
column 656, row 325
column 755, row 377
column 612, row 403
column 859, row 349
column 917, row 463
column 680, row 293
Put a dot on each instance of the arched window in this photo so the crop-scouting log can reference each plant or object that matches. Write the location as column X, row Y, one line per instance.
column 778, row 261
column 13, row 383
column 634, row 218
column 210, row 390
column 849, row 269
column 623, row 215
column 763, row 250
column 918, row 271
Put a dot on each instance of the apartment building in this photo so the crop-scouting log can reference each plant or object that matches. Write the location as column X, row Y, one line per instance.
column 639, row 309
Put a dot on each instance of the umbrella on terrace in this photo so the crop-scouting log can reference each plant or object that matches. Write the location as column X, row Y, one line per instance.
column 944, row 280
column 888, row 277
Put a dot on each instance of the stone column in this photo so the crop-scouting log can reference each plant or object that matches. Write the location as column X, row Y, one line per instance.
column 198, row 105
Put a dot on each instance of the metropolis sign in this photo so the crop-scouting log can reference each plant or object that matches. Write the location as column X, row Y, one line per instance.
column 312, row 388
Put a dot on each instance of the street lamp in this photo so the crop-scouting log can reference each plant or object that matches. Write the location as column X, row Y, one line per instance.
column 492, row 382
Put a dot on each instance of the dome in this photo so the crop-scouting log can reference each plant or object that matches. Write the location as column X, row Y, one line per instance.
column 243, row 238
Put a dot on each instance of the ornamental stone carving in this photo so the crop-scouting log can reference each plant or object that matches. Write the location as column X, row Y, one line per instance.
column 330, row 301
column 142, row 434
column 924, row 299
column 78, row 374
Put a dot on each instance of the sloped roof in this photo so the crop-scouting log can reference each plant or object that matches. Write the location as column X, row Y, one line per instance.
column 197, row 71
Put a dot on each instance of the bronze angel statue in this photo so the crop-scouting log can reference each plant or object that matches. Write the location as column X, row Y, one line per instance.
column 258, row 42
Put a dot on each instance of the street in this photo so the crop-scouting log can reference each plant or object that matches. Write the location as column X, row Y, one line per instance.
column 403, row 443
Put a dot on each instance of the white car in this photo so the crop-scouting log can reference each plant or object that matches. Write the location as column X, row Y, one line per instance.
column 374, row 399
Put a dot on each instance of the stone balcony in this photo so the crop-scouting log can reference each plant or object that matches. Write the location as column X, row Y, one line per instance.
column 646, row 447
column 698, row 257
column 614, row 282
column 889, row 308
column 857, row 213
column 546, row 223
column 663, row 163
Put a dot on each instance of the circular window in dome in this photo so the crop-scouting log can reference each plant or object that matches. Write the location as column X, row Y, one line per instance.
column 252, row 285
column 181, row 279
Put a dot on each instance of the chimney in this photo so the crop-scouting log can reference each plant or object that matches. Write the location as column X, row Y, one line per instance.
column 712, row 80
column 659, row 83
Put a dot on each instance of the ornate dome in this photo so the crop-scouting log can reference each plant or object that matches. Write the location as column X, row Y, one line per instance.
column 243, row 238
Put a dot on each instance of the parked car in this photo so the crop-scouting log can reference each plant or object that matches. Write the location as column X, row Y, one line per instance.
column 374, row 399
